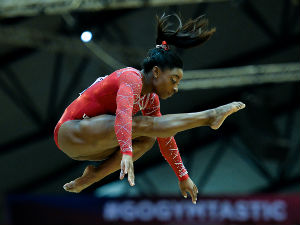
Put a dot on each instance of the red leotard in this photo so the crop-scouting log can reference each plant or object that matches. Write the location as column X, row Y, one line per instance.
column 120, row 94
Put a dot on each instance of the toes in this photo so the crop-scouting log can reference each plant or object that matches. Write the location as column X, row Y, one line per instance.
column 69, row 186
column 240, row 105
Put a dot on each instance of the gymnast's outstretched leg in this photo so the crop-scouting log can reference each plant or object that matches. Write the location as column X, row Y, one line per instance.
column 94, row 139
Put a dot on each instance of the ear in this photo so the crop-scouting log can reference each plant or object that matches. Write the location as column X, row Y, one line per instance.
column 156, row 72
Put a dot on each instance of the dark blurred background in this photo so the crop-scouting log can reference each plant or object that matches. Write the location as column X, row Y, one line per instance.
column 253, row 57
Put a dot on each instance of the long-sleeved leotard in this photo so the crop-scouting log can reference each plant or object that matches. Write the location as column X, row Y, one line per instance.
column 120, row 93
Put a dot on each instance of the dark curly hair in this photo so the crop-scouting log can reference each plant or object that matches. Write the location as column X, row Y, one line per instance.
column 193, row 33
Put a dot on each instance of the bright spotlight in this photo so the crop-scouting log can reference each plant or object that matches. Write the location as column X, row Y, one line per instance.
column 86, row 36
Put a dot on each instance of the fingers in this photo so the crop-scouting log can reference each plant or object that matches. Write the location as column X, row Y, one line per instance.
column 127, row 168
column 124, row 169
column 131, row 176
column 196, row 189
column 122, row 173
column 193, row 193
column 189, row 186
column 184, row 194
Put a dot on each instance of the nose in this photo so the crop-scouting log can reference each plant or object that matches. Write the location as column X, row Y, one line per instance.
column 175, row 89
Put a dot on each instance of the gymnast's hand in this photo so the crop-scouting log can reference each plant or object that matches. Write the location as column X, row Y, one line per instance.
column 127, row 168
column 188, row 186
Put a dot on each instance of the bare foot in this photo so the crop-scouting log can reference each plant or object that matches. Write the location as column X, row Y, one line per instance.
column 87, row 179
column 223, row 111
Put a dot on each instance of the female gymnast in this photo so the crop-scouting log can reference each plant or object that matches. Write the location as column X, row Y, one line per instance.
column 100, row 124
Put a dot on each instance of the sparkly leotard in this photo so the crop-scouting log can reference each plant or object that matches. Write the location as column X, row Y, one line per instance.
column 120, row 93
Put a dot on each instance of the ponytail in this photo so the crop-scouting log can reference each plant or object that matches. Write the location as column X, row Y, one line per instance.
column 193, row 33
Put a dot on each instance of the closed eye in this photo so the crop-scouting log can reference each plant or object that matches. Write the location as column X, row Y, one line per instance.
column 173, row 81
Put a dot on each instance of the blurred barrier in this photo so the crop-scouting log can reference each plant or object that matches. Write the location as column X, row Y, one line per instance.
column 78, row 209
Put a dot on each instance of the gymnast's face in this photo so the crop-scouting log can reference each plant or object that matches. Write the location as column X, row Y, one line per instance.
column 165, row 82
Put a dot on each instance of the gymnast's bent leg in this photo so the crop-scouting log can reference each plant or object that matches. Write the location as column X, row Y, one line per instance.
column 94, row 174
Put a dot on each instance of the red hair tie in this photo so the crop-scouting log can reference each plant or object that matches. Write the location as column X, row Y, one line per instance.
column 163, row 45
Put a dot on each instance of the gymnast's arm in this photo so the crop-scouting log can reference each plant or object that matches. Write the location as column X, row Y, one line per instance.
column 129, row 87
column 169, row 150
